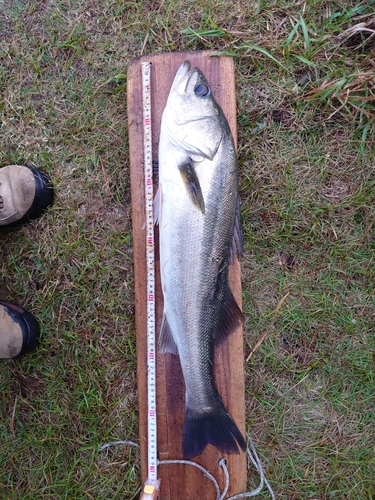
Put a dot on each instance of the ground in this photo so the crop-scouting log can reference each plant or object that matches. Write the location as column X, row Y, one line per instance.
column 305, row 97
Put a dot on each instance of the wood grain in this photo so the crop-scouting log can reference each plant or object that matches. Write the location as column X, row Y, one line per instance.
column 180, row 481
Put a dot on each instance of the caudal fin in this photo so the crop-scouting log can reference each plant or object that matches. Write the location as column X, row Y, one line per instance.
column 214, row 426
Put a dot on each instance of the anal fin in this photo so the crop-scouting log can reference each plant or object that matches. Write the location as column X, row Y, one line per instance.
column 166, row 340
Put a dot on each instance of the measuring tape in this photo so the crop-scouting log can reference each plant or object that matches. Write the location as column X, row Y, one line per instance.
column 152, row 484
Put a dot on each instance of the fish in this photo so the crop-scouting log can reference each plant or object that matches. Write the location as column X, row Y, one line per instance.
column 197, row 209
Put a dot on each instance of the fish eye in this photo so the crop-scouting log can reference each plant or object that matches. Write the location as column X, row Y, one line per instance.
column 202, row 90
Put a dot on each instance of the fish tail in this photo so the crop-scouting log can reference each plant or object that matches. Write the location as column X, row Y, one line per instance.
column 210, row 426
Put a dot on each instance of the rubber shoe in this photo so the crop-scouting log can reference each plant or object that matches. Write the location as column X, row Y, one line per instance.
column 25, row 193
column 19, row 331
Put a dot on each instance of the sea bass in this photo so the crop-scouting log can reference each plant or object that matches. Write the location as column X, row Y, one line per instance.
column 197, row 209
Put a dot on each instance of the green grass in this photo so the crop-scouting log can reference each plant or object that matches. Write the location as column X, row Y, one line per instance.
column 305, row 97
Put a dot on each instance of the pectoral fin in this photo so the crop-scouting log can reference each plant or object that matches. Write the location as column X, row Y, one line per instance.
column 191, row 181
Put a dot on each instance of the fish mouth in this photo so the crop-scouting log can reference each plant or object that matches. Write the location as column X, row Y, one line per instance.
column 182, row 78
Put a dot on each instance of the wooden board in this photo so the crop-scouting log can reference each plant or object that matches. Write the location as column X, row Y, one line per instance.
column 180, row 481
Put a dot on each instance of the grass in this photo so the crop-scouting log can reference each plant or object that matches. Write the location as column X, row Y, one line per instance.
column 305, row 97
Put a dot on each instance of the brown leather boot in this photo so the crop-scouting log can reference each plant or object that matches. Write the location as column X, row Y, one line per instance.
column 19, row 330
column 25, row 192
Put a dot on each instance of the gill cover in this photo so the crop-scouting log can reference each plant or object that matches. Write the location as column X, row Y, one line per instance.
column 195, row 128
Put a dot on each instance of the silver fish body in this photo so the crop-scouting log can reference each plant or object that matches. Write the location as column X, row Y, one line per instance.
column 198, row 214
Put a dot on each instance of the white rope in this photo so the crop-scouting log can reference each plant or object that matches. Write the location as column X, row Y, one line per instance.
column 205, row 472
column 223, row 465
column 115, row 443
column 251, row 453
column 253, row 456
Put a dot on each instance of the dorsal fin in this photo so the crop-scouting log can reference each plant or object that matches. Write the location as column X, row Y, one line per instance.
column 237, row 239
